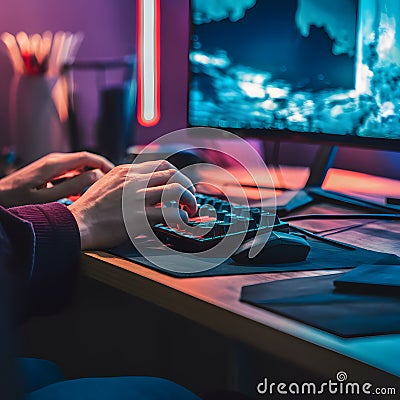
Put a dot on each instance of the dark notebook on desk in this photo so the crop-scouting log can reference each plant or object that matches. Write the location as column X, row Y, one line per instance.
column 381, row 280
column 315, row 301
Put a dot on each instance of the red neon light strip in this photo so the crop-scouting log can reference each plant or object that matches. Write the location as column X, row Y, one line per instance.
column 143, row 71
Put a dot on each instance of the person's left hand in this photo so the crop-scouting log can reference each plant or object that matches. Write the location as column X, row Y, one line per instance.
column 33, row 183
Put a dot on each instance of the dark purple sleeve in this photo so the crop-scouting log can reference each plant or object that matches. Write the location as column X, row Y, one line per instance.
column 45, row 251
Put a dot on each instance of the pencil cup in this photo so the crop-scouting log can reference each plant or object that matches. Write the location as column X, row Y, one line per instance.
column 35, row 121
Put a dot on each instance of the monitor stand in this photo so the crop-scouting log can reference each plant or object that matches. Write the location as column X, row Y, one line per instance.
column 313, row 192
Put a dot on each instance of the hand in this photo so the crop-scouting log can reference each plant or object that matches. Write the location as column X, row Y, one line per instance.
column 32, row 184
column 99, row 212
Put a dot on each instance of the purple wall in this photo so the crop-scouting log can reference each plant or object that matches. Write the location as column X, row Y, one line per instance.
column 109, row 28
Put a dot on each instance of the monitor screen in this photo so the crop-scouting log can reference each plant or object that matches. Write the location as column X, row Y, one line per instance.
column 309, row 68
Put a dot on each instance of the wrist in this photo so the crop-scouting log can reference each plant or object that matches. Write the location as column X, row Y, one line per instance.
column 84, row 230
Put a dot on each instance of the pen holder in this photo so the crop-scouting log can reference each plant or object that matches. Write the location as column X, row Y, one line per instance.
column 35, row 120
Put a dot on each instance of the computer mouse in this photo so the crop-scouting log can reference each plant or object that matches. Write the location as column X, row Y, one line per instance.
column 278, row 248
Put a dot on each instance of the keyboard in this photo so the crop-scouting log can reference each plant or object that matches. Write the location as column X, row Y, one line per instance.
column 217, row 219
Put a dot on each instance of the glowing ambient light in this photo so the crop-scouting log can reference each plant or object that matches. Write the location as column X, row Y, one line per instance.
column 148, row 48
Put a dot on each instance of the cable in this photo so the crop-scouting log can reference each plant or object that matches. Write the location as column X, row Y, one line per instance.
column 342, row 216
column 323, row 238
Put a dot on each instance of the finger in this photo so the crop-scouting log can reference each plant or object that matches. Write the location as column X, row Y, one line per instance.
column 58, row 164
column 175, row 216
column 70, row 187
column 160, row 178
column 88, row 160
column 133, row 170
column 151, row 166
column 171, row 192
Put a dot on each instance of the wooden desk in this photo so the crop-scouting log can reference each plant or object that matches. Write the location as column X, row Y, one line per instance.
column 214, row 302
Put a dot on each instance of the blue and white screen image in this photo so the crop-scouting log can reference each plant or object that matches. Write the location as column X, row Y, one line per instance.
column 317, row 66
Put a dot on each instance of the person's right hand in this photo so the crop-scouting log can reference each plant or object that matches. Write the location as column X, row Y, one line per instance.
column 99, row 214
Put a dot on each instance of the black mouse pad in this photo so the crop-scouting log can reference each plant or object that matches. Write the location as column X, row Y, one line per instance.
column 322, row 256
column 314, row 301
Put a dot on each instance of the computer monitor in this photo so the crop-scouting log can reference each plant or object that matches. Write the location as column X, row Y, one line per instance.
column 310, row 70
